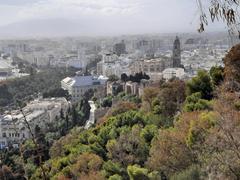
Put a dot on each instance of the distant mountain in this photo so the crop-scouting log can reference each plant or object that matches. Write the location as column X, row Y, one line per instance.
column 77, row 26
column 45, row 27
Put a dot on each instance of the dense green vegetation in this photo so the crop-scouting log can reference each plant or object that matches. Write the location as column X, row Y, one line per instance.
column 25, row 160
column 26, row 88
column 134, row 78
column 57, row 92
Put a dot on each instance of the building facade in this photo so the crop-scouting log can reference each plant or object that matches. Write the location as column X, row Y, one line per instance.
column 52, row 106
column 77, row 86
column 111, row 64
column 40, row 112
column 151, row 65
column 13, row 128
column 173, row 73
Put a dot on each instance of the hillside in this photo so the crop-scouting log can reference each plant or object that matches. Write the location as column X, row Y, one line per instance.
column 182, row 130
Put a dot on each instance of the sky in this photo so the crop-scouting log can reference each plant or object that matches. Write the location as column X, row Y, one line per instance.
column 99, row 17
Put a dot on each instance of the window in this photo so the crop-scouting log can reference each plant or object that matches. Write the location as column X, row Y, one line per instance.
column 4, row 134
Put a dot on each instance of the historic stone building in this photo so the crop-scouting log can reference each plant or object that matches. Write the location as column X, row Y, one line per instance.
column 159, row 64
column 176, row 57
column 151, row 65
column 77, row 86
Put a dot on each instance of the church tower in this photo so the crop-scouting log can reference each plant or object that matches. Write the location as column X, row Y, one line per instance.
column 176, row 57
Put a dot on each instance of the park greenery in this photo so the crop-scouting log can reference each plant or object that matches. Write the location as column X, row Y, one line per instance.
column 137, row 77
column 23, row 89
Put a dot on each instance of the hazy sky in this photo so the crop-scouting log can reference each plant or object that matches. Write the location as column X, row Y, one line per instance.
column 102, row 17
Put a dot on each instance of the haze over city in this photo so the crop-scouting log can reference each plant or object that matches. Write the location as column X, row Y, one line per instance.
column 27, row 18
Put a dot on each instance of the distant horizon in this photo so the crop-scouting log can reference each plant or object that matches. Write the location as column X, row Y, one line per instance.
column 163, row 34
column 58, row 18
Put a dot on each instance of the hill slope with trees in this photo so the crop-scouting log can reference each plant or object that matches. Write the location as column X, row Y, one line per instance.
column 183, row 130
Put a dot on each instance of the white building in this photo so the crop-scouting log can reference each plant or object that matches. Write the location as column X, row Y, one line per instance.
column 109, row 57
column 204, row 58
column 113, row 65
column 52, row 106
column 13, row 128
column 77, row 86
column 80, row 61
column 77, row 60
column 106, row 67
column 170, row 73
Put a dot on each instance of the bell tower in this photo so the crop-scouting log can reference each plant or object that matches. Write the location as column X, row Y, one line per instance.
column 176, row 57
